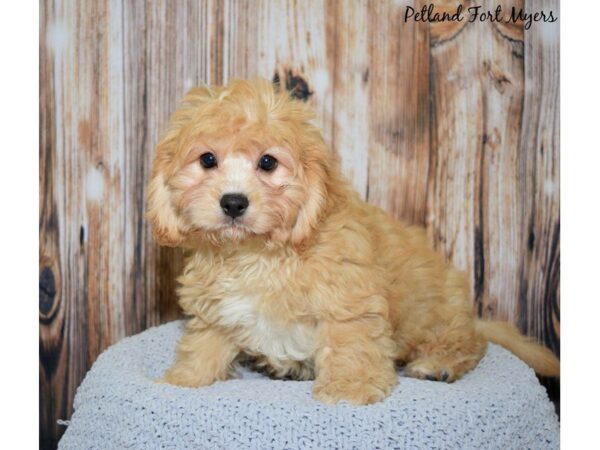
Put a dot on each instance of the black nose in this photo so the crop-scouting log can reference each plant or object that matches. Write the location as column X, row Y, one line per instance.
column 234, row 205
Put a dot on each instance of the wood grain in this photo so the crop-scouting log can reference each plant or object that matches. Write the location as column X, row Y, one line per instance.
column 538, row 188
column 455, row 191
column 539, row 183
column 398, row 81
column 477, row 92
column 449, row 125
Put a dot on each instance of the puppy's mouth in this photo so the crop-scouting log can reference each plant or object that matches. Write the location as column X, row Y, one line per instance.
column 233, row 230
column 235, row 227
column 236, row 223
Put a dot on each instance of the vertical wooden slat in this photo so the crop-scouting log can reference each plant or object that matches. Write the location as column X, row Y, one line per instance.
column 538, row 188
column 398, row 92
column 497, row 236
column 539, row 277
column 161, row 93
column 53, row 391
column 64, row 323
column 139, row 301
column 477, row 89
column 457, row 129
column 350, row 133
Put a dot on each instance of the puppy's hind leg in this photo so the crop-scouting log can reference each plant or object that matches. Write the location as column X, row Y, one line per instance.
column 443, row 366
column 452, row 346
column 448, row 351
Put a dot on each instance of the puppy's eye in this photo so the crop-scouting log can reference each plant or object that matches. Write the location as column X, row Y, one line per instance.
column 267, row 163
column 208, row 160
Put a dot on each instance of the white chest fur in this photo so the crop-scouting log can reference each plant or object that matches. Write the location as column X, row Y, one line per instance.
column 262, row 335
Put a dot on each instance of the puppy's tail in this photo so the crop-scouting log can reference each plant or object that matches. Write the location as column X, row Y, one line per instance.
column 538, row 357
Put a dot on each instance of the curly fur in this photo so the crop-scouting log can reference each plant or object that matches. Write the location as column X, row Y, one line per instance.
column 311, row 281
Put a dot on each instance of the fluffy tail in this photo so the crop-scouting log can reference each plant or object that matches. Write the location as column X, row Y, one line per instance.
column 539, row 358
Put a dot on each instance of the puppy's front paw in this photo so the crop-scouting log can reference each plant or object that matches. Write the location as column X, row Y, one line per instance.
column 185, row 378
column 357, row 393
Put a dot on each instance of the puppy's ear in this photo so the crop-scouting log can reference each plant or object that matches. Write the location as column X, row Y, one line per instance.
column 316, row 174
column 168, row 227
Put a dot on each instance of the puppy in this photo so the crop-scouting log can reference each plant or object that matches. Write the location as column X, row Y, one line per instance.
column 287, row 265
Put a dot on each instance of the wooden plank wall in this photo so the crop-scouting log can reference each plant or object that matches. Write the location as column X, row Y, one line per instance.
column 450, row 125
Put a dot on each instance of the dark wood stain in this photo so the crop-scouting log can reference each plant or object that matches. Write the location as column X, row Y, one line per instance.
column 294, row 84
column 47, row 291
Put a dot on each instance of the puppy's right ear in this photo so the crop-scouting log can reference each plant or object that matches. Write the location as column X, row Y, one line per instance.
column 168, row 226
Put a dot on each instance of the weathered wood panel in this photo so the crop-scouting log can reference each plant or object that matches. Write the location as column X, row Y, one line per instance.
column 398, row 78
column 450, row 125
column 538, row 189
column 477, row 96
column 457, row 97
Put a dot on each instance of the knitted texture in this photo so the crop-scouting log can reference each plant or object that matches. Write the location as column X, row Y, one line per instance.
column 498, row 405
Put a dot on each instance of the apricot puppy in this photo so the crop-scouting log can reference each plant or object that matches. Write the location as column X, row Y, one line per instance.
column 287, row 265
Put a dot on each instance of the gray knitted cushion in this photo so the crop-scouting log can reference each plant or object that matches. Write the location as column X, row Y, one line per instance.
column 499, row 405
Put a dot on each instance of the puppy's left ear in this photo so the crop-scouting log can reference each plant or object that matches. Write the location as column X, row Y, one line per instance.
column 316, row 176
